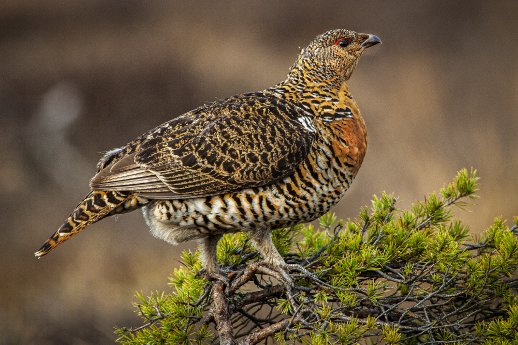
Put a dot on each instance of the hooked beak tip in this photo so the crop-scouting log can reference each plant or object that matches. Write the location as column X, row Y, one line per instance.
column 370, row 41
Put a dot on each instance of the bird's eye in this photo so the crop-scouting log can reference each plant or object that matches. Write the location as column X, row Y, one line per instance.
column 343, row 42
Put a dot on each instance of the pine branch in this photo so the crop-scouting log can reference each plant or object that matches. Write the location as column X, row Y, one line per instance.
column 392, row 276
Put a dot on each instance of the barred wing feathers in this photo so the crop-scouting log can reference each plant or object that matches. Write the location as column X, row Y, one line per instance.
column 242, row 142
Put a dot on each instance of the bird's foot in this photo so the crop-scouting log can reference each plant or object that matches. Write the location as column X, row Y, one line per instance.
column 283, row 270
column 278, row 271
column 214, row 275
column 217, row 277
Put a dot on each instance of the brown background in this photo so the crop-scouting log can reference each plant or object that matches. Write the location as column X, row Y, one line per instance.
column 81, row 77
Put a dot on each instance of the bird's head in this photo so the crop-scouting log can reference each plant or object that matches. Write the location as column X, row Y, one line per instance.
column 334, row 54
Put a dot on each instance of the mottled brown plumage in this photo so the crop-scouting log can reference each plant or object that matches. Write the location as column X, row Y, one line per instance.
column 252, row 162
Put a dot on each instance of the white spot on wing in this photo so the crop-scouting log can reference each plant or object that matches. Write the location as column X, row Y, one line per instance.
column 306, row 122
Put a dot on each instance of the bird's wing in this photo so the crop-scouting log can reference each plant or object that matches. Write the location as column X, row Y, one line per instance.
column 238, row 143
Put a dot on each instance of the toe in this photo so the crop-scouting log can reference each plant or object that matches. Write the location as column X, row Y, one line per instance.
column 217, row 276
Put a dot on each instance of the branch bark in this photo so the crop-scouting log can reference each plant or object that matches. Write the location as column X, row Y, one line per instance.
column 262, row 334
column 220, row 311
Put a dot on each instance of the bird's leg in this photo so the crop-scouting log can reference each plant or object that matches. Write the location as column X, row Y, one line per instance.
column 209, row 260
column 273, row 265
column 262, row 240
column 276, row 266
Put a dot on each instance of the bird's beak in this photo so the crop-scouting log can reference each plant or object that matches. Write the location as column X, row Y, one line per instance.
column 370, row 40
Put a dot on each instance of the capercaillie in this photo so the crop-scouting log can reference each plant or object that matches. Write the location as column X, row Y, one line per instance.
column 253, row 162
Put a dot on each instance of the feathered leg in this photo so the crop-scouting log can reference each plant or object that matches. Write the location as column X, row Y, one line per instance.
column 273, row 264
column 262, row 240
column 208, row 249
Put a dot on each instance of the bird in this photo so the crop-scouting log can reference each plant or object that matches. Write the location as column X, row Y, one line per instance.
column 249, row 163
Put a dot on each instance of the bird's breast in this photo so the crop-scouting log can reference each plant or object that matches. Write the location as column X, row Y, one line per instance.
column 345, row 134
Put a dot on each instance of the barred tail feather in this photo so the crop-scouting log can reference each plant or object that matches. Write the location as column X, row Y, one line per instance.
column 94, row 207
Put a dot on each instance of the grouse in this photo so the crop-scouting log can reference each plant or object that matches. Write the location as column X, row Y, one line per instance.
column 252, row 162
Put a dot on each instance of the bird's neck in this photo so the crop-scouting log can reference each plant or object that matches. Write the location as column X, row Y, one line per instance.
column 309, row 75
column 314, row 92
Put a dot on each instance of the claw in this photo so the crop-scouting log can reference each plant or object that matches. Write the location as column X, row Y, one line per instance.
column 279, row 272
column 213, row 276
column 217, row 276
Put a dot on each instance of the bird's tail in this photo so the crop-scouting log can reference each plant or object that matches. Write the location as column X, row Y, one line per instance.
column 94, row 207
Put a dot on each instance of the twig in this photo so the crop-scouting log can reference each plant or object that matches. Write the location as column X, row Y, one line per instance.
column 261, row 334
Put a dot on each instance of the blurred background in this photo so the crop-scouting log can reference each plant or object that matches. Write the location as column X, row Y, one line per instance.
column 80, row 77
